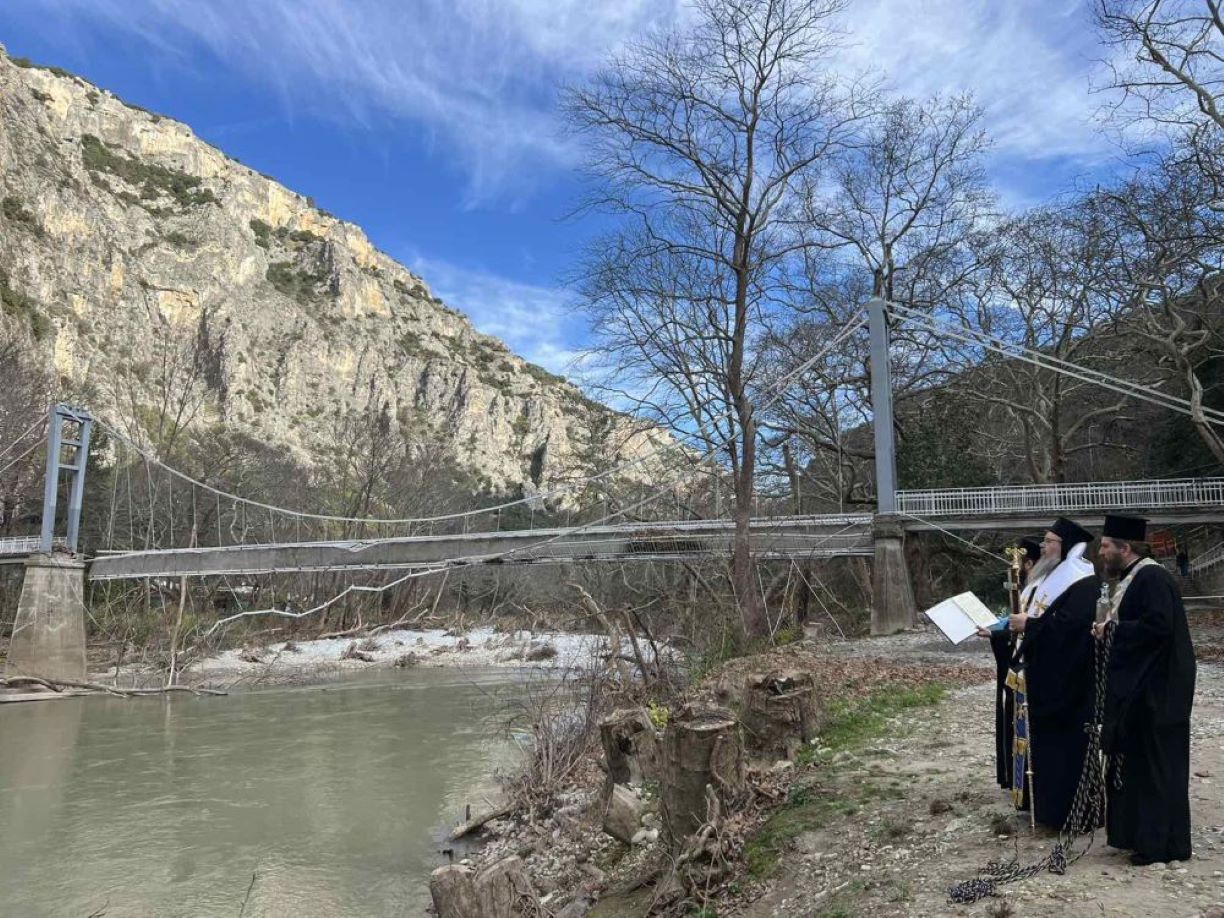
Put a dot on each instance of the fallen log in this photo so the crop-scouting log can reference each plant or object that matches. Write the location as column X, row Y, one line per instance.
column 474, row 825
column 58, row 685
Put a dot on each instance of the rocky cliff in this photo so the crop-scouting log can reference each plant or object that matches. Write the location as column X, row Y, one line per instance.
column 142, row 264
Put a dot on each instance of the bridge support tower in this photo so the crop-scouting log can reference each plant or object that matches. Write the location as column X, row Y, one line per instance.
column 892, row 605
column 49, row 630
column 892, row 595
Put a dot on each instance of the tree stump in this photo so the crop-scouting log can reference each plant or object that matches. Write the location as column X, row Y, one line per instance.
column 453, row 892
column 700, row 746
column 504, row 891
column 630, row 745
column 501, row 890
column 780, row 712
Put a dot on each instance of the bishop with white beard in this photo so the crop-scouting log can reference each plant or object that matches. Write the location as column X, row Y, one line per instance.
column 1055, row 649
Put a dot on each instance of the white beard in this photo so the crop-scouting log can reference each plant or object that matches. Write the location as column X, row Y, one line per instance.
column 1043, row 566
column 1041, row 591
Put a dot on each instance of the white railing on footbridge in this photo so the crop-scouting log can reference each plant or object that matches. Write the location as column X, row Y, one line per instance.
column 25, row 545
column 1108, row 496
column 1209, row 559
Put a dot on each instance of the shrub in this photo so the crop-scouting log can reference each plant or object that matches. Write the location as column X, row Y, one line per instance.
column 154, row 181
column 294, row 282
column 262, row 231
column 15, row 212
column 21, row 305
column 180, row 240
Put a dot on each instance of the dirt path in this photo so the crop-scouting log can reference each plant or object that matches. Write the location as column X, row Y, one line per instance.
column 909, row 816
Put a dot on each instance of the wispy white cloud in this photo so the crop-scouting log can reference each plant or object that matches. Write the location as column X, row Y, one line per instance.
column 1030, row 65
column 536, row 322
column 478, row 77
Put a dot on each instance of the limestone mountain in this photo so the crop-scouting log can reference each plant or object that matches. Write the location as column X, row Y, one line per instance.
column 142, row 264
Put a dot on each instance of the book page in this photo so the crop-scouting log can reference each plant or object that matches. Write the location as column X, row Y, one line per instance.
column 960, row 616
column 977, row 610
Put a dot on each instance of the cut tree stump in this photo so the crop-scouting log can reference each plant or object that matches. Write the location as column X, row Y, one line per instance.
column 504, row 890
column 630, row 746
column 779, row 714
column 453, row 892
column 501, row 890
column 700, row 746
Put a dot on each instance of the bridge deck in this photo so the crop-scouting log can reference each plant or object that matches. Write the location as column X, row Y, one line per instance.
column 797, row 537
column 1011, row 508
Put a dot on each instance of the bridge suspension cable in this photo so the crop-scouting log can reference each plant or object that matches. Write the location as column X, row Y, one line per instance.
column 12, row 462
column 856, row 321
column 964, row 333
column 41, row 422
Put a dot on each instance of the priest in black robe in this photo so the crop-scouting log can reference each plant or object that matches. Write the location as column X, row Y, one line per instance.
column 1003, row 645
column 1055, row 648
column 1147, row 711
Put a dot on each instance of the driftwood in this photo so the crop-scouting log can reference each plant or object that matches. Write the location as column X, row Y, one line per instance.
column 345, row 633
column 614, row 634
column 58, row 685
column 473, row 825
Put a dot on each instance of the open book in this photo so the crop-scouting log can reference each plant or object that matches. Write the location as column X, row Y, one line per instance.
column 961, row 616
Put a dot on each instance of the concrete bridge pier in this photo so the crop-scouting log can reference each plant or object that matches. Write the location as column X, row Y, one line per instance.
column 49, row 631
column 892, row 596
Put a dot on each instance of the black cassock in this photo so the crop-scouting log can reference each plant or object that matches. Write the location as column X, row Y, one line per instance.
column 1002, row 645
column 1147, row 720
column 1057, row 653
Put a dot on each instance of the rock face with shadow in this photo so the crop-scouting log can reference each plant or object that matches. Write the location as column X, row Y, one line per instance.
column 138, row 260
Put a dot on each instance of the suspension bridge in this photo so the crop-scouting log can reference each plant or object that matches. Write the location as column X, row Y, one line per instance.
column 206, row 532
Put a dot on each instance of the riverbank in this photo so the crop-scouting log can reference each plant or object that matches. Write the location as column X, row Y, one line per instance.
column 894, row 802
column 301, row 662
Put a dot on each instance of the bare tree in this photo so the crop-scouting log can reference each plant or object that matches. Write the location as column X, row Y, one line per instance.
column 1047, row 290
column 907, row 197
column 162, row 396
column 702, row 143
column 1167, row 277
column 897, row 220
column 1169, row 75
column 1171, row 59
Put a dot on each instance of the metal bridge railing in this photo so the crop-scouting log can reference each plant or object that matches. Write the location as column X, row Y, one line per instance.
column 1065, row 498
column 26, row 545
column 1208, row 559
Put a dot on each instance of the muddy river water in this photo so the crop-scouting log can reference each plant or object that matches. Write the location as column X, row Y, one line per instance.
column 332, row 798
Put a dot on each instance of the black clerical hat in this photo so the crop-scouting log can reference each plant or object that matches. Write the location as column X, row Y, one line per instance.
column 1071, row 533
column 1032, row 549
column 1125, row 528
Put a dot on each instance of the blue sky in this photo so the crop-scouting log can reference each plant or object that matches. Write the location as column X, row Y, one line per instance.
column 432, row 123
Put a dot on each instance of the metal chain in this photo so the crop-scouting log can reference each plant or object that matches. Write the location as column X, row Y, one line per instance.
column 1087, row 806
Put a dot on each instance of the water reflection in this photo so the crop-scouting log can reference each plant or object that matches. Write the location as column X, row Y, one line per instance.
column 168, row 807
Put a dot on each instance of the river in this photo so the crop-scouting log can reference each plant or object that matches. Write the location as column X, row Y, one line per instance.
column 332, row 797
